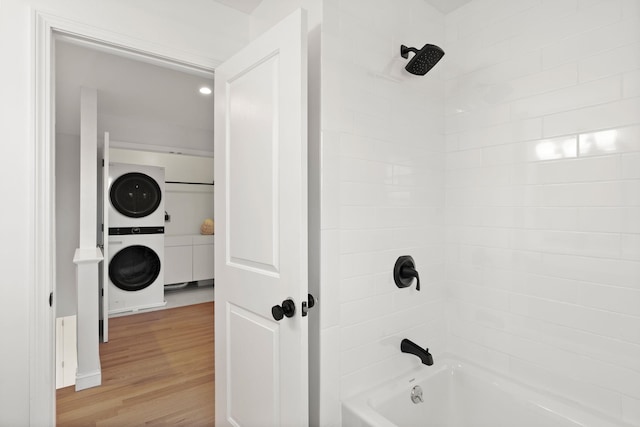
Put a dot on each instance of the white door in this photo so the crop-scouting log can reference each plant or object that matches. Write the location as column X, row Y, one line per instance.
column 261, row 230
column 104, row 273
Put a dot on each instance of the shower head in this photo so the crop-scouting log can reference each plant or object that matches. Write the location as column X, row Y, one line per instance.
column 423, row 60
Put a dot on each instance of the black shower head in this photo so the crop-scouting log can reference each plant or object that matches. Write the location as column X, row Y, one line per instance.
column 423, row 60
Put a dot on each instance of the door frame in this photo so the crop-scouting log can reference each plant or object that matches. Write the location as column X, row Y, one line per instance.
column 46, row 28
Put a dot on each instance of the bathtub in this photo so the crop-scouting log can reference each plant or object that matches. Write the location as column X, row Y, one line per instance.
column 461, row 394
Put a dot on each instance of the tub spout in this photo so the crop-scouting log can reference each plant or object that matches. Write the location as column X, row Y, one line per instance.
column 408, row 346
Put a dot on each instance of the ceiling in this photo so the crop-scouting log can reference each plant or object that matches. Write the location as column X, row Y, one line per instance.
column 133, row 96
column 248, row 6
column 446, row 6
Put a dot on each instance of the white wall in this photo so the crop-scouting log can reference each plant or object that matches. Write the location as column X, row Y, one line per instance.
column 382, row 194
column 198, row 28
column 67, row 221
column 543, row 195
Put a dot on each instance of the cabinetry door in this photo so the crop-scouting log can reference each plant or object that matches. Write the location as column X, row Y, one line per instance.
column 177, row 263
column 203, row 267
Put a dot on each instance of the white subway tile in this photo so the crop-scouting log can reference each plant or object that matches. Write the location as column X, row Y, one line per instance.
column 355, row 358
column 555, row 30
column 329, row 309
column 631, row 410
column 631, row 247
column 362, row 310
column 469, row 60
column 534, row 84
column 583, row 95
column 605, row 168
column 534, row 16
column 464, row 159
column 590, row 320
column 514, row 131
column 631, row 84
column 361, row 194
column 553, row 288
column 614, row 114
column 523, row 64
column 616, row 61
column 359, row 170
column 479, row 295
column 610, row 298
column 355, row 288
column 468, row 120
column 583, row 194
column 574, row 389
column 630, row 193
column 560, row 219
column 609, row 220
column 609, row 376
column 606, row 271
column 487, row 357
column 618, row 140
column 352, row 241
column 330, row 373
column 597, row 346
column 565, row 147
column 631, row 166
column 596, row 39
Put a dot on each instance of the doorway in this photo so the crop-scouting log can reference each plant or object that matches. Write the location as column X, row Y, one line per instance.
column 156, row 117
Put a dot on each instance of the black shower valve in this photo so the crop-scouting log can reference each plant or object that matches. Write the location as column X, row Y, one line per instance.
column 405, row 271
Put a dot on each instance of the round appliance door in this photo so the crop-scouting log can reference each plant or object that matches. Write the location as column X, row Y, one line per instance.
column 135, row 195
column 134, row 268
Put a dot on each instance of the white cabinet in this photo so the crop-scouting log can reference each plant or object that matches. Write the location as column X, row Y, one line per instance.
column 203, row 257
column 188, row 258
column 178, row 258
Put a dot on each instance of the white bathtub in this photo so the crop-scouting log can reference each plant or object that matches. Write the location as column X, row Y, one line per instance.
column 458, row 394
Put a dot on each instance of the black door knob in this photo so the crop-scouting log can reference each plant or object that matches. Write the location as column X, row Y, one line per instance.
column 306, row 305
column 288, row 308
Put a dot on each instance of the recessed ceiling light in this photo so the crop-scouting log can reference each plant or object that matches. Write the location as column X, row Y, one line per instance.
column 205, row 90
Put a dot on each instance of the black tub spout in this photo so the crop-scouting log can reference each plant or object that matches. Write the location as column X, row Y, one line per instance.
column 408, row 346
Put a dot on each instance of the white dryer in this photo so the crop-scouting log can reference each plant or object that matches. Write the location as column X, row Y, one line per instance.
column 136, row 274
column 136, row 195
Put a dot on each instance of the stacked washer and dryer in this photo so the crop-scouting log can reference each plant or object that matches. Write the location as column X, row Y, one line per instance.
column 136, row 237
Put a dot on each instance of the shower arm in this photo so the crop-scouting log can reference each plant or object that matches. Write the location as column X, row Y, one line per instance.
column 404, row 51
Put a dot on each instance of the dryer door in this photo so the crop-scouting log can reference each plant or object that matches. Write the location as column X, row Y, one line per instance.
column 135, row 195
column 134, row 268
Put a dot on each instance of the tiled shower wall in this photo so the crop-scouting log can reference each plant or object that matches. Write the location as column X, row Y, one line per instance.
column 382, row 194
column 543, row 194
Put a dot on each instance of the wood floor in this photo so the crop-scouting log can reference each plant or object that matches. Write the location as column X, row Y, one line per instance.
column 157, row 369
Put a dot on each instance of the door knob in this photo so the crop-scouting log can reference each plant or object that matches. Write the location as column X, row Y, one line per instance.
column 288, row 308
column 306, row 305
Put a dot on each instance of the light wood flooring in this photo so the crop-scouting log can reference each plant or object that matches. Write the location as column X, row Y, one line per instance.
column 157, row 369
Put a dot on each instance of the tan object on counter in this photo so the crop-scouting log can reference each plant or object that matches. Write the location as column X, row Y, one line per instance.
column 207, row 226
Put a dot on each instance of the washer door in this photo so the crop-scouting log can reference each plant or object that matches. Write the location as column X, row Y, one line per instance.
column 134, row 268
column 135, row 195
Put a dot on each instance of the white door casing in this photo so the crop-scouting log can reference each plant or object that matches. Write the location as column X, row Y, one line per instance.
column 261, row 230
column 104, row 280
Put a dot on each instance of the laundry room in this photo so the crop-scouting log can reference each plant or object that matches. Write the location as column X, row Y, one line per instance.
column 156, row 201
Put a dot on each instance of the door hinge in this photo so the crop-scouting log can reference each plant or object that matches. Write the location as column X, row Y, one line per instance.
column 102, row 292
column 50, row 299
column 102, row 162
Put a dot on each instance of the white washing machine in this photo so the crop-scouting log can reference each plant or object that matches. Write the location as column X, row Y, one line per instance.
column 136, row 195
column 136, row 273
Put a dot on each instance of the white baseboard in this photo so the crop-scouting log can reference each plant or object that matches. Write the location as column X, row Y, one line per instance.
column 88, row 380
